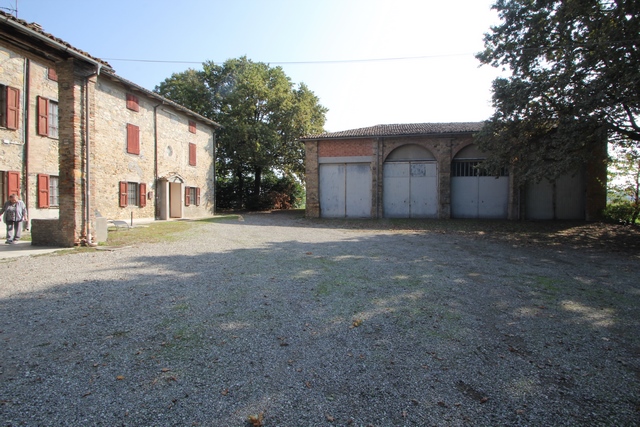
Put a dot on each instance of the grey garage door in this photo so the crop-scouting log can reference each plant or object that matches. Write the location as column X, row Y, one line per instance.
column 410, row 189
column 345, row 190
column 477, row 196
column 562, row 199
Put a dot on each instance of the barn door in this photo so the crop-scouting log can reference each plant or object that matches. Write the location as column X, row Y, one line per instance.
column 410, row 189
column 345, row 190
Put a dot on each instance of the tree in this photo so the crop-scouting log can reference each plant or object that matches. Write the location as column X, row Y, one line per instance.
column 262, row 112
column 575, row 68
column 624, row 185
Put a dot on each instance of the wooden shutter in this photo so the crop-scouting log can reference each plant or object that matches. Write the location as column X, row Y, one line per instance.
column 13, row 107
column 133, row 139
column 13, row 183
column 187, row 196
column 197, row 196
column 192, row 126
column 52, row 74
column 132, row 102
column 43, row 116
column 123, row 194
column 43, row 191
column 143, row 195
column 192, row 154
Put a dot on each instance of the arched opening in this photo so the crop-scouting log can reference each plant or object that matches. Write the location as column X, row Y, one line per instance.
column 475, row 194
column 410, row 183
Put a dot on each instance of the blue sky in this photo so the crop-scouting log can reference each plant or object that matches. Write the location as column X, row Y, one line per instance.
column 437, row 80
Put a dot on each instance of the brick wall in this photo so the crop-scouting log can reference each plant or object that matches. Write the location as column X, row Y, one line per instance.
column 345, row 147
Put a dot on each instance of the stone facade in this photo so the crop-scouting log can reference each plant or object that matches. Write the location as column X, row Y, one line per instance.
column 89, row 160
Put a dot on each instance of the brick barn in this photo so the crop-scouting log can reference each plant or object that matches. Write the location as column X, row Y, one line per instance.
column 80, row 144
column 428, row 170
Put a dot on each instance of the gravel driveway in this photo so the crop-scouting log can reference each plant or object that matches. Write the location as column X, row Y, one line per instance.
column 295, row 322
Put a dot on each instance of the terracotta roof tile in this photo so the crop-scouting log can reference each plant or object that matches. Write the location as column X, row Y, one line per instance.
column 403, row 129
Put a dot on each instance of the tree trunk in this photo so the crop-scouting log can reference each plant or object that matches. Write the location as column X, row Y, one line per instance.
column 240, row 194
column 257, row 184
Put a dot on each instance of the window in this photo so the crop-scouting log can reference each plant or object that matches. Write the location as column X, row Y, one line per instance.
column 47, row 117
column 132, row 102
column 133, row 139
column 133, row 194
column 47, row 191
column 53, row 191
column 192, row 154
column 52, row 75
column 471, row 168
column 192, row 126
column 9, row 107
column 192, row 196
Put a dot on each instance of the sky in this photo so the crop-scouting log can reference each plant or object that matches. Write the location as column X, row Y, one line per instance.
column 369, row 62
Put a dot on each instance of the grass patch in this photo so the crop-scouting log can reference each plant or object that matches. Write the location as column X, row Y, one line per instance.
column 155, row 232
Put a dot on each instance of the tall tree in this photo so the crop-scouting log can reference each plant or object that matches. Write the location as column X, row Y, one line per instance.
column 262, row 112
column 575, row 68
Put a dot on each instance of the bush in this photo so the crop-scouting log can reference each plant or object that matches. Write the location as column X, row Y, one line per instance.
column 624, row 212
column 283, row 192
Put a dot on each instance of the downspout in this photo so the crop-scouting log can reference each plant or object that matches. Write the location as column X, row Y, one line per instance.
column 156, row 205
column 87, row 130
column 213, row 168
column 27, row 78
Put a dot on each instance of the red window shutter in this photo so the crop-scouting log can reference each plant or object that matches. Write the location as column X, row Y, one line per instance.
column 43, row 191
column 143, row 195
column 132, row 102
column 123, row 194
column 197, row 196
column 43, row 116
column 192, row 154
column 187, row 196
column 192, row 126
column 13, row 183
column 133, row 139
column 52, row 74
column 13, row 107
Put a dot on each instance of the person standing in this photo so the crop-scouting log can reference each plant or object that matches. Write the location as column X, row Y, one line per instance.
column 14, row 212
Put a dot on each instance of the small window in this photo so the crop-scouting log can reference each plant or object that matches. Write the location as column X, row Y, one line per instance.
column 192, row 154
column 192, row 196
column 133, row 194
column 133, row 197
column 132, row 102
column 53, row 191
column 133, row 139
column 53, row 119
column 192, row 126
column 52, row 75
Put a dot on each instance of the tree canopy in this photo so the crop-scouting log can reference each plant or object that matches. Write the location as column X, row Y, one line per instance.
column 262, row 112
column 575, row 73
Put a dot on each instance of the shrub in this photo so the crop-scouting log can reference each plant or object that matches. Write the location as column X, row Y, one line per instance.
column 624, row 212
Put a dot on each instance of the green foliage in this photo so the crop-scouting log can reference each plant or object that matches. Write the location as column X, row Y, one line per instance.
column 276, row 192
column 624, row 185
column 575, row 67
column 263, row 115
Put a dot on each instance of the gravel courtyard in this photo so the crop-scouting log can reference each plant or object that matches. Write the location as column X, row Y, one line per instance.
column 277, row 320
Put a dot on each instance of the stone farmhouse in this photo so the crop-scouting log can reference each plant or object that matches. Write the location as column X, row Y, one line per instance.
column 429, row 170
column 81, row 145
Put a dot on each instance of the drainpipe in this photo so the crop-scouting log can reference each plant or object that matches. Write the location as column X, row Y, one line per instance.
column 25, row 130
column 156, row 207
column 87, row 130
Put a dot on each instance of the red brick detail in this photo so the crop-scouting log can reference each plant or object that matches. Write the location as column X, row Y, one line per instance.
column 345, row 148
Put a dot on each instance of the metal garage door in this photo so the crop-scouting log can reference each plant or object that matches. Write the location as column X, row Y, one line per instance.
column 410, row 190
column 345, row 190
column 562, row 199
column 477, row 196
